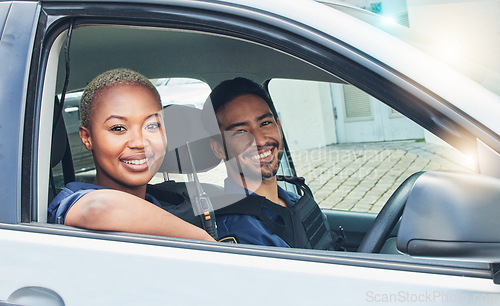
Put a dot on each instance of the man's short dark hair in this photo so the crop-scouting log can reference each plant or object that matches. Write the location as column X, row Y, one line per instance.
column 229, row 90
column 226, row 92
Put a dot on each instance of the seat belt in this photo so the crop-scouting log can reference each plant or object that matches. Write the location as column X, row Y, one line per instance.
column 202, row 205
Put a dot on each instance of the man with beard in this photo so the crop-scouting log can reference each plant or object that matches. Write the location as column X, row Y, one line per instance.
column 249, row 139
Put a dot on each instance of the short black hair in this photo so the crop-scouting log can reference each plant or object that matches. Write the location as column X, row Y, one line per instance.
column 226, row 92
column 109, row 79
column 229, row 90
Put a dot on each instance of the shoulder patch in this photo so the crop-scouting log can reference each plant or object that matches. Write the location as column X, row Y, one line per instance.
column 229, row 239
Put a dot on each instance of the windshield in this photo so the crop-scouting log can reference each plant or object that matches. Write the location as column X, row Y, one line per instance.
column 464, row 35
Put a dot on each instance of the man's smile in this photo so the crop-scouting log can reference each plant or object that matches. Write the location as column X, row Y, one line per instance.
column 261, row 156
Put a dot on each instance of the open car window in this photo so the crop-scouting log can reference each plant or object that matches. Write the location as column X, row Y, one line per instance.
column 352, row 149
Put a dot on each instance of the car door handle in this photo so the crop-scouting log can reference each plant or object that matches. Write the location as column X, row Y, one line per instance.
column 5, row 303
column 33, row 295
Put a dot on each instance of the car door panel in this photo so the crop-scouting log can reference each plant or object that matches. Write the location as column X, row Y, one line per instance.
column 354, row 224
column 105, row 271
column 15, row 52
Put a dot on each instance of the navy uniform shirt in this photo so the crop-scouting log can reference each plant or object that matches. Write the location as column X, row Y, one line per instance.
column 65, row 199
column 248, row 229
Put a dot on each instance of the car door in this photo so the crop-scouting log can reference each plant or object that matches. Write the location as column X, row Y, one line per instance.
column 46, row 262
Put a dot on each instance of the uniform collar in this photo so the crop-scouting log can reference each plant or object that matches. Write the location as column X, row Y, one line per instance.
column 83, row 186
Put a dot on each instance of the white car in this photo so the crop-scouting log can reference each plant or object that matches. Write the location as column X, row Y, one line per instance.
column 361, row 111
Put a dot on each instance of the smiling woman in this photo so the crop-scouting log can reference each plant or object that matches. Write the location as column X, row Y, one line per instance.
column 126, row 140
column 128, row 145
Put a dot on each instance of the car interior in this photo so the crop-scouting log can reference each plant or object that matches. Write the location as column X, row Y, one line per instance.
column 213, row 56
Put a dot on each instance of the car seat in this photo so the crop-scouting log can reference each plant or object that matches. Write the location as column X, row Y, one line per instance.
column 60, row 152
column 186, row 136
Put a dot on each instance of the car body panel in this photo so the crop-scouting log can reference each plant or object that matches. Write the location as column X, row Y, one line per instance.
column 179, row 276
column 15, row 56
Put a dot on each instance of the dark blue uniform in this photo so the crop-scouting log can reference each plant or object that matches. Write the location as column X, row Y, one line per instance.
column 65, row 199
column 248, row 229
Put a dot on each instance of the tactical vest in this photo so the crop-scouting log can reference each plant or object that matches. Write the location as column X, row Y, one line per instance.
column 302, row 225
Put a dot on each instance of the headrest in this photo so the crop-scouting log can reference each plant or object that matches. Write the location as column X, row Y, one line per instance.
column 59, row 136
column 183, row 125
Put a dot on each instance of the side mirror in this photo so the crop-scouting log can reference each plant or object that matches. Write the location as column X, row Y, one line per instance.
column 452, row 215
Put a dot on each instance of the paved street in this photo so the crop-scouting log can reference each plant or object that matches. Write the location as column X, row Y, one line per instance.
column 361, row 177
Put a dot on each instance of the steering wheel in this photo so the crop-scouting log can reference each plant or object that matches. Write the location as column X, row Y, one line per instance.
column 387, row 217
